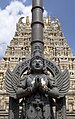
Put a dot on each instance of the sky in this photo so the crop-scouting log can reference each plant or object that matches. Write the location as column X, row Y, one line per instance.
column 12, row 10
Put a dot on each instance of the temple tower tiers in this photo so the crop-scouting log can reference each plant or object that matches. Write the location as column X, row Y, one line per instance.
column 56, row 48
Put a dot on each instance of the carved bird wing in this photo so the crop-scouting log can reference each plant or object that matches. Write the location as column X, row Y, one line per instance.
column 63, row 82
column 10, row 84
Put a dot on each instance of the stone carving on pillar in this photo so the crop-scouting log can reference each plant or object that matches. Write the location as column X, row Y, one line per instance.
column 37, row 87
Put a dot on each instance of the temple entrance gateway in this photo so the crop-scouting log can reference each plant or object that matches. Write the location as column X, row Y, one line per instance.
column 37, row 87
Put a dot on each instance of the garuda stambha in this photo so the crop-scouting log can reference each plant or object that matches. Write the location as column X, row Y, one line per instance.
column 37, row 87
column 38, row 91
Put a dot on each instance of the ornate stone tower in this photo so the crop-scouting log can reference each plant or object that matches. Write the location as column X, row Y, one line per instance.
column 56, row 48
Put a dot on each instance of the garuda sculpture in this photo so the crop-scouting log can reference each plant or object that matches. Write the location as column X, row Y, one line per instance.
column 37, row 87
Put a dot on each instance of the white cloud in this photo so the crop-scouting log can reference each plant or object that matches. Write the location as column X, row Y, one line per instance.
column 8, row 19
column 45, row 13
column 24, row 1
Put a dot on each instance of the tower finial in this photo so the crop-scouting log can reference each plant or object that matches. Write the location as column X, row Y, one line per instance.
column 27, row 20
column 49, row 20
column 44, row 20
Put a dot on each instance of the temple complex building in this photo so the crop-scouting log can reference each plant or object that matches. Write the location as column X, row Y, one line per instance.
column 56, row 49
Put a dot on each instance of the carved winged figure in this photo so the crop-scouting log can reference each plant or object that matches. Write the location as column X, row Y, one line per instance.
column 39, row 91
column 61, row 82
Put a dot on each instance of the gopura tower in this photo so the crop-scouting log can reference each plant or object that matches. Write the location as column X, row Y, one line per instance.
column 38, row 83
column 56, row 48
